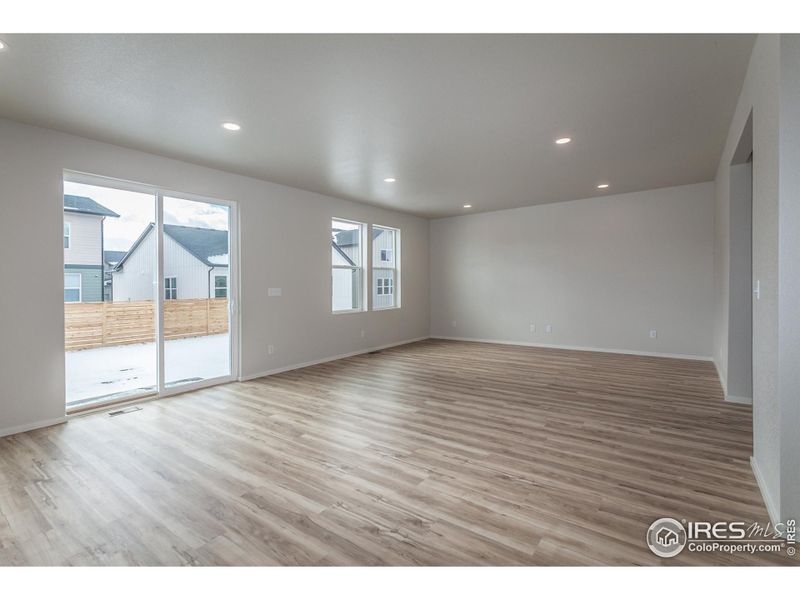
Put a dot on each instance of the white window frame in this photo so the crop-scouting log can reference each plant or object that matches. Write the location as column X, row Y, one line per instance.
column 234, row 314
column 384, row 283
column 216, row 287
column 72, row 287
column 67, row 235
column 358, row 270
column 395, row 277
column 173, row 288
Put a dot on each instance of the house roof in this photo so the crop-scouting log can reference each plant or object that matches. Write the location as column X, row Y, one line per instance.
column 209, row 246
column 112, row 257
column 348, row 237
column 86, row 206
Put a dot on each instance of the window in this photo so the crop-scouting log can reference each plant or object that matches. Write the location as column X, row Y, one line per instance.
column 220, row 286
column 171, row 288
column 384, row 286
column 385, row 270
column 72, row 287
column 66, row 235
column 347, row 260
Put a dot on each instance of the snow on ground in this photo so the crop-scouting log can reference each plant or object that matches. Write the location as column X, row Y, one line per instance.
column 117, row 369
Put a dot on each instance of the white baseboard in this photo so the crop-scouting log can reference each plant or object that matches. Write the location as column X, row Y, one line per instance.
column 580, row 348
column 31, row 426
column 311, row 363
column 722, row 379
column 738, row 399
column 772, row 510
column 724, row 383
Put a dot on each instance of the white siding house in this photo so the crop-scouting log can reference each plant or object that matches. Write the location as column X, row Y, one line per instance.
column 195, row 265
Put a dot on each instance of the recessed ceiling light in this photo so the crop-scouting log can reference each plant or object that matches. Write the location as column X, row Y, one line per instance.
column 3, row 45
column 390, row 180
column 564, row 140
column 231, row 126
column 602, row 186
column 468, row 206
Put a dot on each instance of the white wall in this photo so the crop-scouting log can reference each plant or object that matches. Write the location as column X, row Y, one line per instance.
column 770, row 91
column 601, row 271
column 85, row 243
column 285, row 242
column 760, row 96
column 789, row 276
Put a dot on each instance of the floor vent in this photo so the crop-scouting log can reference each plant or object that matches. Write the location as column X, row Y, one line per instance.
column 124, row 411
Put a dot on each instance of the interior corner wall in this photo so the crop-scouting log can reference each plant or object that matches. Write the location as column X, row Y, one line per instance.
column 602, row 272
column 284, row 242
column 759, row 95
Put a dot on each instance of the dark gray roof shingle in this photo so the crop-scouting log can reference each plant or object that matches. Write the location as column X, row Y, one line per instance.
column 86, row 206
column 201, row 243
column 112, row 257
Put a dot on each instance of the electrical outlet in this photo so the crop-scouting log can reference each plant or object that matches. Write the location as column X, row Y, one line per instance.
column 454, row 323
column 653, row 333
column 363, row 334
column 548, row 329
column 270, row 349
column 533, row 328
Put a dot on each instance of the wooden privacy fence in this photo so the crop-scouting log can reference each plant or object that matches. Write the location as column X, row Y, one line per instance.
column 98, row 324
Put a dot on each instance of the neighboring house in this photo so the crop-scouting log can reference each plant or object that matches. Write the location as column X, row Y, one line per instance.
column 110, row 260
column 195, row 265
column 83, row 248
column 344, row 249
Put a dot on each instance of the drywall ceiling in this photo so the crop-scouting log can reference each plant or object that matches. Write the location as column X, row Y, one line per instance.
column 456, row 119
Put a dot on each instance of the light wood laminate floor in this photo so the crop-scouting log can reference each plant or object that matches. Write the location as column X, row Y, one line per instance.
column 434, row 453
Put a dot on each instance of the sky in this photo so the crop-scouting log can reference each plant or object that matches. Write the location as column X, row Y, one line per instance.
column 137, row 211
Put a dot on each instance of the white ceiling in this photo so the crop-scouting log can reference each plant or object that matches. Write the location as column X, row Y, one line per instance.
column 457, row 119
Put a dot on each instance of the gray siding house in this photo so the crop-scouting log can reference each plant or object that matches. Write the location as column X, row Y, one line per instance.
column 83, row 248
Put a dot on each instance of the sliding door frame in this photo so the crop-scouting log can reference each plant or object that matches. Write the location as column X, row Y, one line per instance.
column 234, row 325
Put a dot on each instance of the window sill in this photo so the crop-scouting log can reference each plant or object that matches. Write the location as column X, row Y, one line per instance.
column 348, row 312
column 386, row 308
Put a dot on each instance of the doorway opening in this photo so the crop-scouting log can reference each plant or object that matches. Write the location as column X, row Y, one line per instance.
column 741, row 285
column 150, row 290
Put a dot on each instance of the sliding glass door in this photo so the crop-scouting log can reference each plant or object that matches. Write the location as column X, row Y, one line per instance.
column 196, row 278
column 149, row 291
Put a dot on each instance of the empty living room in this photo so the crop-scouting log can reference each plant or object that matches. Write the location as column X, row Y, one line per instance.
column 318, row 289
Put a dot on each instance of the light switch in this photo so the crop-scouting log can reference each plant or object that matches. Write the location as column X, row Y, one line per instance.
column 274, row 292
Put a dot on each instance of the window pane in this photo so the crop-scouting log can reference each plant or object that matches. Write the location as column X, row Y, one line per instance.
column 384, row 288
column 346, row 289
column 72, row 295
column 346, row 243
column 383, row 244
column 72, row 280
column 196, row 317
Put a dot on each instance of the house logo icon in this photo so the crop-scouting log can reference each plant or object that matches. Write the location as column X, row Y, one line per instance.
column 666, row 537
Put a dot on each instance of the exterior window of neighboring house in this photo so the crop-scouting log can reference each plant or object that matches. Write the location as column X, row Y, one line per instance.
column 220, row 286
column 72, row 287
column 385, row 267
column 384, row 286
column 66, row 235
column 171, row 288
column 347, row 265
